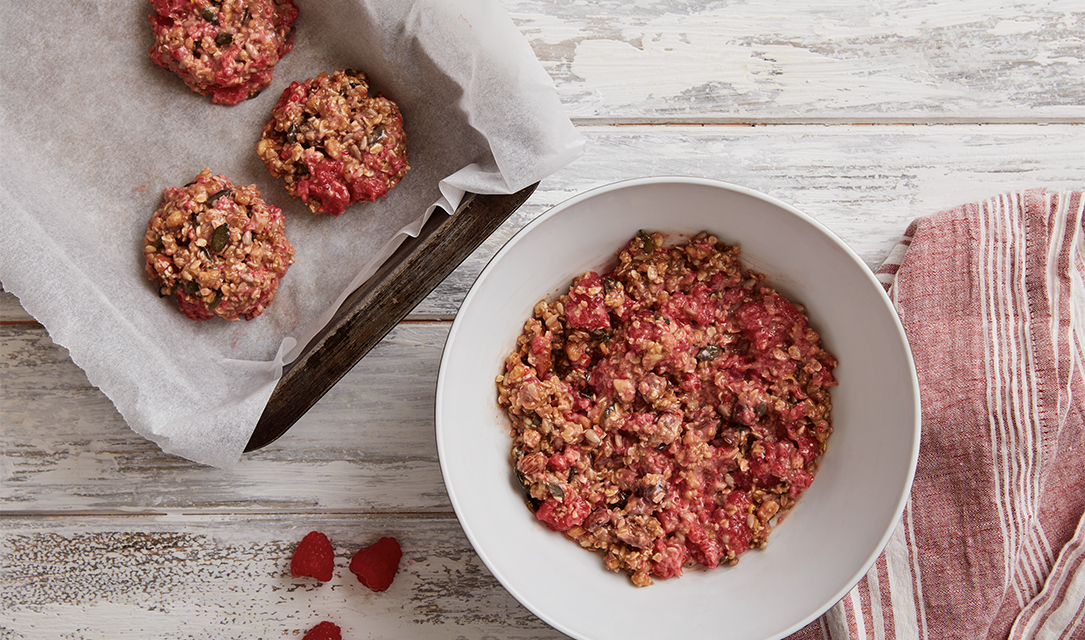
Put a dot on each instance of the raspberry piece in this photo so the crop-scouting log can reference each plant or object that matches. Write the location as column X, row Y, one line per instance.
column 324, row 631
column 566, row 514
column 586, row 308
column 313, row 557
column 376, row 564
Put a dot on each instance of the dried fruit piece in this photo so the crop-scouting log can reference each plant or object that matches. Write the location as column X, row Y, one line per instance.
column 314, row 557
column 324, row 631
column 376, row 565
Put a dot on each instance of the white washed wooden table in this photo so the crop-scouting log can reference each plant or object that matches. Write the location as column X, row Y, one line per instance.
column 863, row 114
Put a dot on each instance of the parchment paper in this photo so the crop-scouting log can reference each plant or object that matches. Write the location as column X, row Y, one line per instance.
column 92, row 132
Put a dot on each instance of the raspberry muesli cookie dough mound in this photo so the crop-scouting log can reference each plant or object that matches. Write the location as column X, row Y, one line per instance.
column 226, row 49
column 333, row 144
column 670, row 412
column 218, row 248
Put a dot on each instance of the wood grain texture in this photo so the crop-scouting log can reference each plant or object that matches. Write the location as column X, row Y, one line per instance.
column 368, row 445
column 211, row 576
column 862, row 114
column 887, row 61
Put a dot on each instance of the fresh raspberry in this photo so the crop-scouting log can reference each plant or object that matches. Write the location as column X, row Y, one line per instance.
column 324, row 631
column 313, row 557
column 376, row 564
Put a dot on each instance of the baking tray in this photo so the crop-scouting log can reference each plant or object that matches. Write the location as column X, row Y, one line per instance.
column 371, row 311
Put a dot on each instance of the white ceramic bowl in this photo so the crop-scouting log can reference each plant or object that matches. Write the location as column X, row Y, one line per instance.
column 839, row 527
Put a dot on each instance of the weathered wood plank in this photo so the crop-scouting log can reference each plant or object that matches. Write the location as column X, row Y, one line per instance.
column 369, row 444
column 11, row 312
column 889, row 61
column 208, row 576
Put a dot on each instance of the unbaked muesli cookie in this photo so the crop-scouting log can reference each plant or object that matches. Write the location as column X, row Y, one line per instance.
column 219, row 248
column 223, row 48
column 333, row 144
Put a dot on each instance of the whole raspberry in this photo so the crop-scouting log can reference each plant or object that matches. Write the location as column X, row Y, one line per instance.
column 324, row 631
column 376, row 564
column 313, row 557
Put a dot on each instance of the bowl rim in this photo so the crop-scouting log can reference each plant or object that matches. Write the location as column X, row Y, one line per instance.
column 508, row 246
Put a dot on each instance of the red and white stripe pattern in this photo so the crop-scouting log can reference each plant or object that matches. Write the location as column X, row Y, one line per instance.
column 992, row 541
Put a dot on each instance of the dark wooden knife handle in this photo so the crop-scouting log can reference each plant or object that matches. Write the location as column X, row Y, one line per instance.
column 370, row 312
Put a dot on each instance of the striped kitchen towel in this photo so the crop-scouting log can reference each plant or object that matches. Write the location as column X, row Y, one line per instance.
column 992, row 541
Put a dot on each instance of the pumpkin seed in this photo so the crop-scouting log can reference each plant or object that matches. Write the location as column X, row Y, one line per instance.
column 208, row 15
column 192, row 287
column 555, row 490
column 223, row 39
column 218, row 194
column 709, row 352
column 646, row 241
column 377, row 134
column 220, row 237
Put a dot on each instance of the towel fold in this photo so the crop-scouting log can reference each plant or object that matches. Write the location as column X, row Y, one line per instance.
column 992, row 541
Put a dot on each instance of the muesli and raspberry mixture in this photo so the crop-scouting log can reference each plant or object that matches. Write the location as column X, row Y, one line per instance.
column 670, row 412
column 333, row 144
column 226, row 49
column 218, row 248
